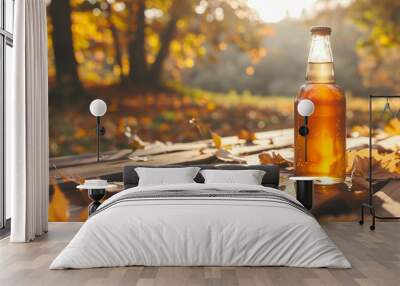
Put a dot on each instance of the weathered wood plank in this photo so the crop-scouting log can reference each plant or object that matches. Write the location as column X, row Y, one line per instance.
column 262, row 139
column 73, row 160
column 162, row 148
column 391, row 143
column 113, row 167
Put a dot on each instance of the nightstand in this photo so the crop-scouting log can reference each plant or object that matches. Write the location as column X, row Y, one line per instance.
column 96, row 191
column 305, row 190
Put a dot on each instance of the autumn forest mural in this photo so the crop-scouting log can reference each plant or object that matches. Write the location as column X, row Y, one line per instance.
column 213, row 81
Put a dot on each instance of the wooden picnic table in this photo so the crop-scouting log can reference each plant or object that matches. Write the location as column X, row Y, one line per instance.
column 66, row 171
column 199, row 152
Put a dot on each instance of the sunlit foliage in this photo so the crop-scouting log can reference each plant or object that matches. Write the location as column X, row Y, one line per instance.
column 103, row 30
column 380, row 47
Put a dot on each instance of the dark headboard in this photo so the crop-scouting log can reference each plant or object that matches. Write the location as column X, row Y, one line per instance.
column 270, row 179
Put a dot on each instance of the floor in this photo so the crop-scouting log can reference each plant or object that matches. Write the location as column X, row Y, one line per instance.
column 375, row 257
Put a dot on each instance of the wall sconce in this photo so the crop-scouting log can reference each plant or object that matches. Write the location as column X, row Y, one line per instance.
column 305, row 108
column 98, row 108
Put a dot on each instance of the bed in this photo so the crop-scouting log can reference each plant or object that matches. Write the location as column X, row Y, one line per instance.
column 197, row 224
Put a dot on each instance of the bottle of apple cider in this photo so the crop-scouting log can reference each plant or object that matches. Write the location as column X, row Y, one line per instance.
column 326, row 138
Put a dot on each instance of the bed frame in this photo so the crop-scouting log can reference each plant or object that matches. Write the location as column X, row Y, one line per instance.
column 270, row 179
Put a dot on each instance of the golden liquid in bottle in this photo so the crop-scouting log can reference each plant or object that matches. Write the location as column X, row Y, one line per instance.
column 326, row 141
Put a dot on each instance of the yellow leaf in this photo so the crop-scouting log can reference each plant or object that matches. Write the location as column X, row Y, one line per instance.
column 393, row 127
column 59, row 206
column 386, row 167
column 359, row 130
column 217, row 139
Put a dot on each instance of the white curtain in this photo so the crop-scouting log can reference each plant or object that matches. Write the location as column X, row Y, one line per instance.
column 27, row 157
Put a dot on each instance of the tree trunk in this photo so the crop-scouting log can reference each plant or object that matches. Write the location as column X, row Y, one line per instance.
column 179, row 9
column 117, row 46
column 137, row 54
column 67, row 79
column 166, row 38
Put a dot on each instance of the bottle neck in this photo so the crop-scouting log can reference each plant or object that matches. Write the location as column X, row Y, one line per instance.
column 320, row 67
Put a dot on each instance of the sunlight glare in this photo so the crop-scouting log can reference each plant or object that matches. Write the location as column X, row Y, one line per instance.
column 277, row 10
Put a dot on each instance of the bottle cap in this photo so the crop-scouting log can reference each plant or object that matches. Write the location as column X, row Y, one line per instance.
column 321, row 30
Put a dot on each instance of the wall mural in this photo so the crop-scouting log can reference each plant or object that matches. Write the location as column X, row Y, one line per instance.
column 211, row 82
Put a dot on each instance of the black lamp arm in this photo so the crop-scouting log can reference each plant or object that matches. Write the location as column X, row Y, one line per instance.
column 100, row 131
column 305, row 138
column 303, row 131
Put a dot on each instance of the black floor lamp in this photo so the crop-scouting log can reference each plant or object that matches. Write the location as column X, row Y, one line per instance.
column 98, row 108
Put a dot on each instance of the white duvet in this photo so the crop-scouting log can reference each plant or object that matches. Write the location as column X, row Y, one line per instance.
column 200, row 231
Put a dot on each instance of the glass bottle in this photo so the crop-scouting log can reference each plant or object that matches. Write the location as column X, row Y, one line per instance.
column 326, row 139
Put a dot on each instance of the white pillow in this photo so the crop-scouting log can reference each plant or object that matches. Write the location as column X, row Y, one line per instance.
column 165, row 176
column 248, row 177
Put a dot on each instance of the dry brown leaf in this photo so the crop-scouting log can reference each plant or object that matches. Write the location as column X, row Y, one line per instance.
column 378, row 153
column 274, row 158
column 227, row 156
column 246, row 135
column 359, row 130
column 385, row 165
column 351, row 154
column 71, row 178
column 380, row 169
column 137, row 143
column 393, row 127
column 216, row 139
column 386, row 159
column 391, row 162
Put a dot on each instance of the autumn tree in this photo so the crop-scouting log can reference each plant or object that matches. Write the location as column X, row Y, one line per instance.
column 188, row 27
column 67, row 79
column 380, row 21
column 109, row 14
column 138, row 71
column 177, row 31
column 137, row 39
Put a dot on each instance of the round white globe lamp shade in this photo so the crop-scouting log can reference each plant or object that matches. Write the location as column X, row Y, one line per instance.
column 305, row 107
column 98, row 107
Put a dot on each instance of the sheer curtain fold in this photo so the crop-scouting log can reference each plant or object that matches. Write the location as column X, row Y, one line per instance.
column 27, row 124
